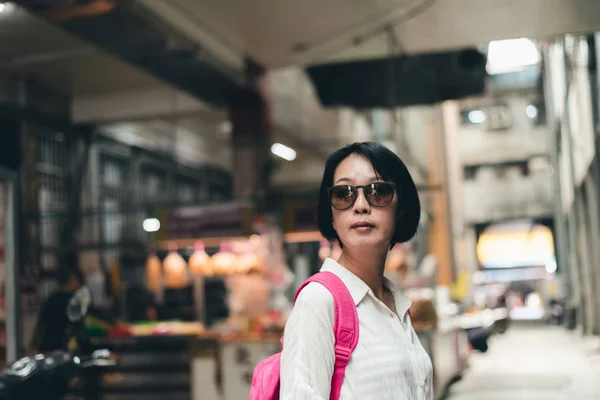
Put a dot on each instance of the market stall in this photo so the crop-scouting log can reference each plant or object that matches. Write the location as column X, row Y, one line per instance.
column 212, row 276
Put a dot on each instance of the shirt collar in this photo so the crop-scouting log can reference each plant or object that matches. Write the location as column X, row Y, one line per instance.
column 358, row 289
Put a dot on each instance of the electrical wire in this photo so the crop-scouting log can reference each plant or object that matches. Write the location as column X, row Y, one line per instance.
column 411, row 13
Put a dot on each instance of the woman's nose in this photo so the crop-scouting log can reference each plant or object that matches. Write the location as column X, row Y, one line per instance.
column 361, row 205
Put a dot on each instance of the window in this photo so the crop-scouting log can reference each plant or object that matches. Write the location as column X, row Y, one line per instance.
column 154, row 184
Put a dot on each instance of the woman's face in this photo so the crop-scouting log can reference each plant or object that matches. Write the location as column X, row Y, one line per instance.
column 362, row 225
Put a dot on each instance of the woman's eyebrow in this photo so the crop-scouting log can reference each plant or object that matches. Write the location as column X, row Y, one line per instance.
column 343, row 180
column 350, row 180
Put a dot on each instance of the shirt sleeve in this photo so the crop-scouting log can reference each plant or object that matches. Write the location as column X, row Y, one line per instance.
column 308, row 355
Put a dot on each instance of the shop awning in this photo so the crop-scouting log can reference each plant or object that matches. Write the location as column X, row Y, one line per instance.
column 400, row 81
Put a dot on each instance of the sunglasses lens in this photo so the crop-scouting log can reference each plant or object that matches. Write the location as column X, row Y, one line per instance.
column 380, row 194
column 342, row 197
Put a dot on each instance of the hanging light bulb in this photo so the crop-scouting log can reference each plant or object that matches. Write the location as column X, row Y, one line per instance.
column 224, row 262
column 153, row 273
column 175, row 270
column 200, row 263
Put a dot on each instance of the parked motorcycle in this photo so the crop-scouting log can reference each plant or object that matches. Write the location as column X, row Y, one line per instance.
column 48, row 376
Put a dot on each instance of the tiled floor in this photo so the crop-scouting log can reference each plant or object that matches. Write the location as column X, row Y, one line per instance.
column 533, row 363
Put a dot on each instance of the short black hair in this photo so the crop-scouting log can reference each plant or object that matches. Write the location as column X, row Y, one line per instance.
column 69, row 268
column 391, row 169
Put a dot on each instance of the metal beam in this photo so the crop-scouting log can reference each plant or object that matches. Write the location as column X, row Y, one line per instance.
column 79, row 150
column 47, row 57
column 61, row 11
column 135, row 105
column 13, row 111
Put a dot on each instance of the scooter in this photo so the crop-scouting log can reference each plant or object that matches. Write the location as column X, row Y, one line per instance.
column 48, row 376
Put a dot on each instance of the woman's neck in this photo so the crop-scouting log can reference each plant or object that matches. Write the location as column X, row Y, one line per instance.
column 369, row 267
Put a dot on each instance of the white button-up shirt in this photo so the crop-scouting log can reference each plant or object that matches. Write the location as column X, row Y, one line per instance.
column 388, row 362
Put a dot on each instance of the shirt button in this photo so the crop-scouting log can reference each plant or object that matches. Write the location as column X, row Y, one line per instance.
column 410, row 347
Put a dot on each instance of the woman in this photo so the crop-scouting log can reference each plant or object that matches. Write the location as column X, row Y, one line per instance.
column 368, row 202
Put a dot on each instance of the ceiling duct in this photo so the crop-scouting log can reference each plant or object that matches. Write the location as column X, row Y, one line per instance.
column 419, row 80
column 139, row 38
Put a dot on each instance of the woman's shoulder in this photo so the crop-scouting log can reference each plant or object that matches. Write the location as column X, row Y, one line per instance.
column 315, row 297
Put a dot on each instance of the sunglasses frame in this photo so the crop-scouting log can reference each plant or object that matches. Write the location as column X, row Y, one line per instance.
column 363, row 187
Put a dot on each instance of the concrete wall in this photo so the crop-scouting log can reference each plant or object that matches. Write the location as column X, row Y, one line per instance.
column 522, row 140
column 489, row 197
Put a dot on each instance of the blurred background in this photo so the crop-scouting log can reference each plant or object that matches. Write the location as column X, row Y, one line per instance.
column 167, row 154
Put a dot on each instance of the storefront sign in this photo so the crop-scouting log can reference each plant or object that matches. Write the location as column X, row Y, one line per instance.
column 219, row 220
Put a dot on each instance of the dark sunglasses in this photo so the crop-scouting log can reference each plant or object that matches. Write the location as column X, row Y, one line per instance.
column 378, row 194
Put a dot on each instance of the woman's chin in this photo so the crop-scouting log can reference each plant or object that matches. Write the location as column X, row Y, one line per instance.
column 365, row 242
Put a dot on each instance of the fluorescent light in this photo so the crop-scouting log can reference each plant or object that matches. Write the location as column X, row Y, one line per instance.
column 477, row 117
column 511, row 55
column 532, row 111
column 6, row 7
column 283, row 151
column 151, row 225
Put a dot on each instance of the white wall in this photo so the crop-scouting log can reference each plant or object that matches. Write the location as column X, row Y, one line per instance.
column 579, row 122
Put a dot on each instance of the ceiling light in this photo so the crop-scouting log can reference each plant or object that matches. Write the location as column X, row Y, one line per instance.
column 511, row 55
column 283, row 151
column 151, row 225
column 532, row 111
column 477, row 116
column 5, row 6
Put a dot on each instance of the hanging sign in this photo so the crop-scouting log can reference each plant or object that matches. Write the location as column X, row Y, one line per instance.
column 218, row 220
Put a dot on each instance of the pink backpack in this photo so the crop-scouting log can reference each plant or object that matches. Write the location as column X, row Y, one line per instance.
column 265, row 382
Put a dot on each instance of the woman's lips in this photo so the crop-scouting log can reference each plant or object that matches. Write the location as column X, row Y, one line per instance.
column 362, row 226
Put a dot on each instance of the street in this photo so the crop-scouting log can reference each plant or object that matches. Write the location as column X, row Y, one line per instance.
column 533, row 363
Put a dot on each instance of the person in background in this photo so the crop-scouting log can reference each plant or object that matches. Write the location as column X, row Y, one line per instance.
column 556, row 312
column 51, row 331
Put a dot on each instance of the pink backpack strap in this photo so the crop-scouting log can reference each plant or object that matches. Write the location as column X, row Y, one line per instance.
column 345, row 325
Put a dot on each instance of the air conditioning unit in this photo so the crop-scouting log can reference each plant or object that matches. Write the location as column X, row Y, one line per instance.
column 497, row 118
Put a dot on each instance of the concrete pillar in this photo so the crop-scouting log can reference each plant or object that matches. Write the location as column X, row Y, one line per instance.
column 592, row 219
column 440, row 233
column 251, row 127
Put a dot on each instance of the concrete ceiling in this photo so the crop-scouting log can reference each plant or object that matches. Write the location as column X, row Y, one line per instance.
column 62, row 62
column 284, row 32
